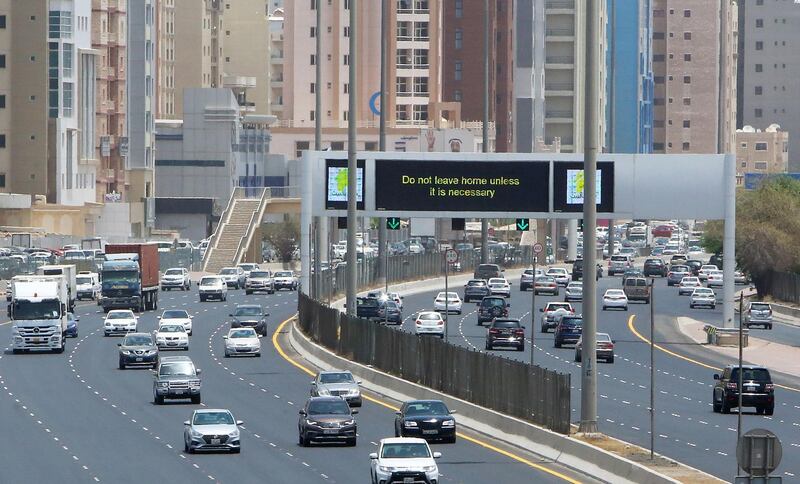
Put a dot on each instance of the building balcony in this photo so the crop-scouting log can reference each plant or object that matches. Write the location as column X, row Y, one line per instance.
column 560, row 6
column 276, row 59
column 559, row 62
column 559, row 88
column 553, row 116
column 559, row 34
column 238, row 82
column 100, row 5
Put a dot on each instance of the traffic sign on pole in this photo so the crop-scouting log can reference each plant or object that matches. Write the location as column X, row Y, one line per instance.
column 393, row 223
column 451, row 256
column 523, row 225
column 537, row 248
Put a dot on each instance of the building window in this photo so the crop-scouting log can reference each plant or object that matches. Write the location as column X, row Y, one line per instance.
column 459, row 69
column 346, row 88
column 687, row 36
column 687, row 13
column 311, row 115
column 2, row 61
column 2, row 180
column 312, row 32
column 2, row 25
column 300, row 147
column 761, row 147
column 658, row 35
column 421, row 58
column 759, row 2
column 687, row 123
column 759, row 45
column 658, row 146
column 421, row 85
column 347, row 31
column 658, row 123
column 759, row 113
column 744, row 164
column 457, row 95
column 759, row 68
column 2, row 101
column 459, row 8
column 687, row 101
column 743, row 145
column 344, row 115
column 313, row 88
column 758, row 90
column 60, row 24
column 659, row 12
column 759, row 23
column 685, row 146
column 687, row 57
column 659, row 101
column 420, row 112
column 313, row 7
column 2, row 141
column 760, row 165
column 53, row 98
column 459, row 38
column 658, row 57
column 687, row 79
column 347, row 59
column 658, row 79
column 313, row 59
column 66, row 59
column 421, row 30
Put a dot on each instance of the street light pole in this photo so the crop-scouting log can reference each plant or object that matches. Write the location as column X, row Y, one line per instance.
column 484, row 222
column 352, row 163
column 533, row 304
column 652, row 369
column 739, row 383
column 383, row 254
column 588, row 424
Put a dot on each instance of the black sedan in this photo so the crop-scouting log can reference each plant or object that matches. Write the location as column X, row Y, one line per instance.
column 428, row 419
column 327, row 419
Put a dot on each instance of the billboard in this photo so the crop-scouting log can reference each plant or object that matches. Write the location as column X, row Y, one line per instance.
column 568, row 187
column 336, row 184
column 451, row 185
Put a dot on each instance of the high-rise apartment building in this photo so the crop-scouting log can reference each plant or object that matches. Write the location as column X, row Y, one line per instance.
column 413, row 68
column 246, row 55
column 549, row 73
column 141, row 98
column 629, row 82
column 165, row 59
column 109, row 39
column 276, row 79
column 462, row 69
column 769, row 69
column 694, row 51
column 47, row 102
column 197, row 55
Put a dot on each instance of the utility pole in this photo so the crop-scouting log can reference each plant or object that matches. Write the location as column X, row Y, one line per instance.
column 533, row 302
column 652, row 368
column 320, row 224
column 739, row 383
column 484, row 222
column 352, row 163
column 588, row 424
column 382, row 233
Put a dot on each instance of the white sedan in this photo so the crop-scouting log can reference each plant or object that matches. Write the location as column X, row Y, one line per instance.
column 120, row 321
column 688, row 284
column 429, row 322
column 714, row 279
column 452, row 304
column 242, row 341
column 404, row 454
column 397, row 298
column 499, row 287
column 703, row 296
column 172, row 336
column 560, row 274
column 177, row 316
column 615, row 298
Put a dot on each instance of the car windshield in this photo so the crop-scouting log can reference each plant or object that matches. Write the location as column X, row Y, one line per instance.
column 390, row 305
column 127, row 276
column 24, row 310
column 171, row 328
column 603, row 337
column 120, row 315
column 341, row 377
column 657, row 262
column 757, row 374
column 405, row 450
column 259, row 274
column 248, row 311
column 619, row 258
column 760, row 306
column 496, row 302
column 614, row 292
column 557, row 270
column 680, row 269
column 426, row 408
column 174, row 314
column 545, row 279
column 450, row 295
column 571, row 322
column 283, row 274
column 173, row 272
column 505, row 324
column 476, row 283
column 575, row 285
column 367, row 302
column 703, row 290
column 429, row 316
column 690, row 280
column 212, row 418
column 553, row 307
column 328, row 407
column 227, row 271
column 243, row 333
column 83, row 280
column 209, row 281
column 138, row 340
column 183, row 368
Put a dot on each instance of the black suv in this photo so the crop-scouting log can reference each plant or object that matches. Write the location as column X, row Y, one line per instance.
column 492, row 307
column 250, row 316
column 577, row 271
column 758, row 389
column 368, row 307
column 476, row 289
column 487, row 271
column 568, row 331
column 505, row 332
column 655, row 267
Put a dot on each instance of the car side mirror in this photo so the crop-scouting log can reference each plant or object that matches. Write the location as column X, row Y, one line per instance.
column 354, row 411
column 260, row 336
column 119, row 344
column 437, row 455
column 453, row 412
column 373, row 455
column 239, row 422
column 77, row 319
column 399, row 414
column 186, row 423
column 402, row 297
column 267, row 314
column 302, row 412
column 158, row 317
column 716, row 377
column 541, row 310
column 230, row 315
column 358, row 382
column 225, row 337
column 198, row 371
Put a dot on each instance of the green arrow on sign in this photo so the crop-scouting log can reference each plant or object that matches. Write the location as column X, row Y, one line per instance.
column 393, row 223
column 523, row 225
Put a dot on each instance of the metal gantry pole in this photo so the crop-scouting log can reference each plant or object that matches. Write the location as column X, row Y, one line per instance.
column 588, row 424
column 383, row 254
column 533, row 304
column 319, row 222
column 652, row 369
column 484, row 222
column 446, row 301
column 739, row 383
column 352, row 168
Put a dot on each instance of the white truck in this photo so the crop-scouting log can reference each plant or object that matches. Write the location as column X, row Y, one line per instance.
column 38, row 313
column 70, row 276
column 88, row 284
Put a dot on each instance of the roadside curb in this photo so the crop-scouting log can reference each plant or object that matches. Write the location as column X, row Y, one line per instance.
column 567, row 451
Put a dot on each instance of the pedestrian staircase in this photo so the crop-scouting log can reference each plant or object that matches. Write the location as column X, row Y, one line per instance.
column 237, row 225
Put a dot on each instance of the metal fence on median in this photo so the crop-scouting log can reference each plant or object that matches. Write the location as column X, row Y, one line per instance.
column 784, row 286
column 512, row 387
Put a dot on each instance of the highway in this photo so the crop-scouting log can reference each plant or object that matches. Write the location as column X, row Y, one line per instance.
column 687, row 430
column 75, row 417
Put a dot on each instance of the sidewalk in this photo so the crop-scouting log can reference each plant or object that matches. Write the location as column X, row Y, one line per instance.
column 775, row 356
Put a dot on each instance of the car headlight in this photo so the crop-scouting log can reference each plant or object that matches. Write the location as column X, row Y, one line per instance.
column 163, row 384
column 126, row 352
column 234, row 433
column 448, row 423
column 108, row 324
column 311, row 422
column 354, row 393
column 324, row 392
column 196, row 434
column 386, row 468
column 410, row 423
column 428, row 468
column 349, row 422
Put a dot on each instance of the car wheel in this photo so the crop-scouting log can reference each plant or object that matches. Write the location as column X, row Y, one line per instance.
column 725, row 408
column 451, row 440
column 715, row 406
column 227, row 354
column 158, row 399
column 196, row 399
column 247, row 293
column 691, row 306
column 300, row 440
column 306, row 441
column 521, row 348
column 770, row 409
column 713, row 306
column 121, row 365
column 237, row 450
column 577, row 356
column 351, row 442
column 202, row 299
column 769, row 326
column 611, row 360
column 557, row 343
column 225, row 297
column 625, row 308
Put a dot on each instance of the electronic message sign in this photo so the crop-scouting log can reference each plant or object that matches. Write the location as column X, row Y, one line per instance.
column 336, row 184
column 568, row 182
column 474, row 186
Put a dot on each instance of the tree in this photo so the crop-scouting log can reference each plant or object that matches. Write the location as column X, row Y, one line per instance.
column 283, row 237
column 767, row 230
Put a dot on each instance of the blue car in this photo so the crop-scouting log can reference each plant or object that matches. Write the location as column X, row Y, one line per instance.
column 72, row 325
